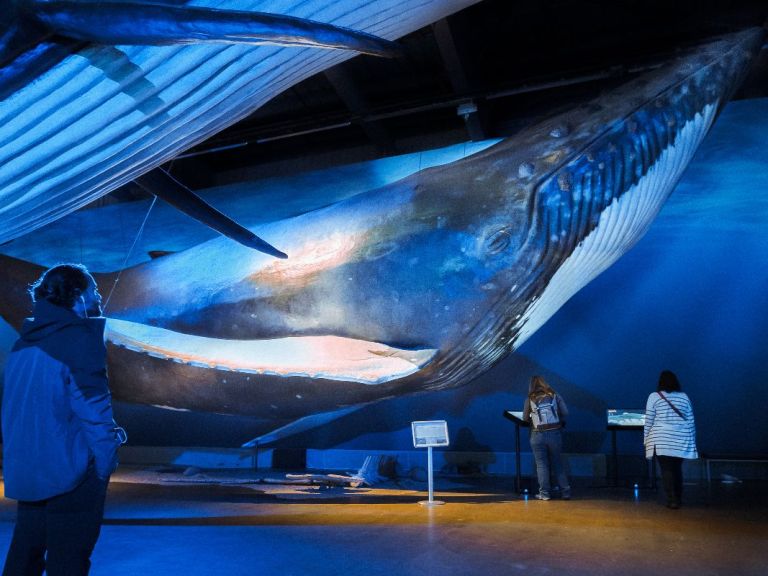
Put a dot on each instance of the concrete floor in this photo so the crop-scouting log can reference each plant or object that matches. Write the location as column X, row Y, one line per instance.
column 217, row 525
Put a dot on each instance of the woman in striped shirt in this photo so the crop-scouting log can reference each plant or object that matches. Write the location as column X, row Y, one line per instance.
column 670, row 434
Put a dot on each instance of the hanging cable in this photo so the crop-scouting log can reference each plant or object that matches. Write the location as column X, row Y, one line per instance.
column 80, row 226
column 130, row 252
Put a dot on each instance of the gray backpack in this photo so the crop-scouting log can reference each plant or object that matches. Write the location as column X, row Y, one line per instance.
column 545, row 414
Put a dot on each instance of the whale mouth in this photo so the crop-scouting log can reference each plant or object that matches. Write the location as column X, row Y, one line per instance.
column 315, row 357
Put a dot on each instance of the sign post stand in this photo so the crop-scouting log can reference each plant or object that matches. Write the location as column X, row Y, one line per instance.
column 427, row 434
column 431, row 501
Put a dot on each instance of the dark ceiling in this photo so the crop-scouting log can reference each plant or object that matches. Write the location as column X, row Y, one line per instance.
column 483, row 72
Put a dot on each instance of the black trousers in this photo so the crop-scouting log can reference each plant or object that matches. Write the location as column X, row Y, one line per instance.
column 672, row 478
column 58, row 534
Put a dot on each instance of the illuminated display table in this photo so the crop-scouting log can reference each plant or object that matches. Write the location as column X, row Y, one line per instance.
column 625, row 420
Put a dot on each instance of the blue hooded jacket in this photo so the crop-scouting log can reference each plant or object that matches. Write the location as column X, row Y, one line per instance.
column 57, row 410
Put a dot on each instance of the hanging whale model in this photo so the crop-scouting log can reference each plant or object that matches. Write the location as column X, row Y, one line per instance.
column 94, row 94
column 422, row 284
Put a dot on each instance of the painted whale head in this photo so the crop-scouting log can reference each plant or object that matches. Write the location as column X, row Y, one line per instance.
column 428, row 281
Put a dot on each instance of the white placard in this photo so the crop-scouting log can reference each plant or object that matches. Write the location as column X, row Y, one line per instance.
column 428, row 433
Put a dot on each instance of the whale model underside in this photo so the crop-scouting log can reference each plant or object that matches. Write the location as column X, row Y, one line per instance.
column 94, row 95
column 424, row 283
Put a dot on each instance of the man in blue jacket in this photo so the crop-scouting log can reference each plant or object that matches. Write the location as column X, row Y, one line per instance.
column 59, row 439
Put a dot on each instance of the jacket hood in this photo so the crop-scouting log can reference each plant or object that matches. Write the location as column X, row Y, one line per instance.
column 49, row 319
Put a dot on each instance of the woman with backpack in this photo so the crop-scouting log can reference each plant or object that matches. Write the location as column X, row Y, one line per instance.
column 546, row 411
column 670, row 434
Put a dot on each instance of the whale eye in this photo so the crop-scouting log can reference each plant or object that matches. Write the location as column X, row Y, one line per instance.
column 498, row 241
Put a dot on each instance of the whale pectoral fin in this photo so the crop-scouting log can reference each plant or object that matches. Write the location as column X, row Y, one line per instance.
column 138, row 23
column 165, row 186
column 301, row 425
column 17, row 38
column 27, row 49
column 155, row 254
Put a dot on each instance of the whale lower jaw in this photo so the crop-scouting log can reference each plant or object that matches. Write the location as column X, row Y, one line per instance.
column 315, row 357
column 620, row 225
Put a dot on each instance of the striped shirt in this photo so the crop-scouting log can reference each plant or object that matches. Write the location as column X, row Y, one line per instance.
column 666, row 433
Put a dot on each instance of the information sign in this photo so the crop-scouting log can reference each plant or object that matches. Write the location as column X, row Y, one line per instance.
column 429, row 433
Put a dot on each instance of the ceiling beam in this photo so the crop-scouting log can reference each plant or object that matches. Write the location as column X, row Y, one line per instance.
column 346, row 90
column 452, row 61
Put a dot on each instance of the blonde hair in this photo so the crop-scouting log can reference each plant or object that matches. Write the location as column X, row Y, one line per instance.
column 538, row 388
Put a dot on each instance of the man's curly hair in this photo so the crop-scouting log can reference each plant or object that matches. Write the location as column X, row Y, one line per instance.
column 61, row 285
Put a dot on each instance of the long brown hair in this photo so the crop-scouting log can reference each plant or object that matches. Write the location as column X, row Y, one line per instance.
column 539, row 388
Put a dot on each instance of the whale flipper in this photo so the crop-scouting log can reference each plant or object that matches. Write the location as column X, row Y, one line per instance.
column 162, row 184
column 139, row 23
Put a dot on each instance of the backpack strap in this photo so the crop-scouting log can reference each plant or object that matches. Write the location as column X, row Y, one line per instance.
column 672, row 405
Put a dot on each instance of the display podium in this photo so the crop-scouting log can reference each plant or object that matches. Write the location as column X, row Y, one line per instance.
column 517, row 420
column 622, row 419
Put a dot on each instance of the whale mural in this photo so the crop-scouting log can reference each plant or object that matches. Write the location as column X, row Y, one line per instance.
column 95, row 94
column 421, row 284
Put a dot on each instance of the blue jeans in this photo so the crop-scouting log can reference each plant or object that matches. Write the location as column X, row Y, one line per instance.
column 547, row 448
